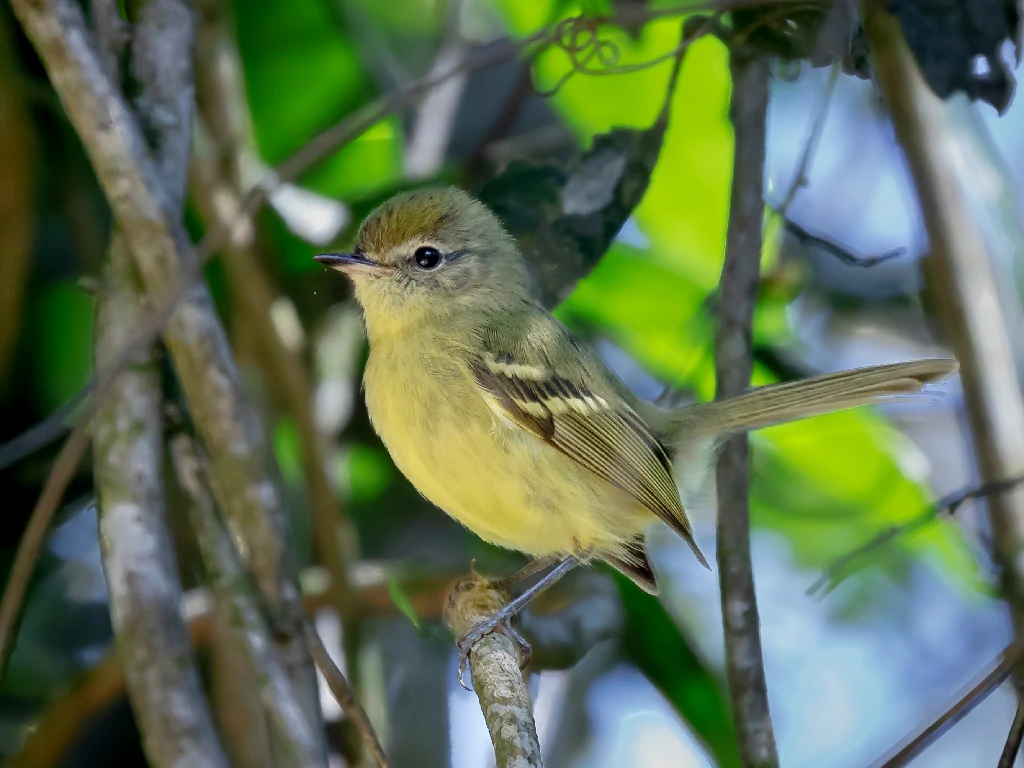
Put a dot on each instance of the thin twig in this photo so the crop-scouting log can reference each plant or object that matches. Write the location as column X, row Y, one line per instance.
column 1012, row 746
column 1001, row 670
column 802, row 177
column 41, row 434
column 844, row 255
column 840, row 569
column 344, row 695
column 733, row 368
column 62, row 725
column 497, row 680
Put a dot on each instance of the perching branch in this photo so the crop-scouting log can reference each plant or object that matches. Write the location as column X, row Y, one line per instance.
column 960, row 276
column 138, row 554
column 228, row 426
column 293, row 738
column 733, row 367
column 498, row 681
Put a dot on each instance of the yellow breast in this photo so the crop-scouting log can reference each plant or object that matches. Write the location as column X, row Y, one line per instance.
column 504, row 484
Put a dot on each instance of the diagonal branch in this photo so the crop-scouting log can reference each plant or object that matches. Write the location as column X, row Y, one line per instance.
column 733, row 367
column 293, row 738
column 345, row 696
column 845, row 565
column 138, row 554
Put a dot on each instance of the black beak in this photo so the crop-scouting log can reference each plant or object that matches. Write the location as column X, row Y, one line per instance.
column 348, row 262
column 341, row 259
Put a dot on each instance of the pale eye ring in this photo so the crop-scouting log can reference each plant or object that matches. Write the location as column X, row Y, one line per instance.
column 427, row 257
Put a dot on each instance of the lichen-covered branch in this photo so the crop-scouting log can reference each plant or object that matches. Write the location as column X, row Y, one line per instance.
column 138, row 554
column 497, row 679
column 293, row 738
column 138, row 557
column 229, row 427
column 733, row 367
column 960, row 277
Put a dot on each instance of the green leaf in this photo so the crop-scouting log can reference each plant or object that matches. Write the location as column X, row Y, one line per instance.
column 404, row 604
column 63, row 321
column 287, row 450
column 303, row 74
column 366, row 471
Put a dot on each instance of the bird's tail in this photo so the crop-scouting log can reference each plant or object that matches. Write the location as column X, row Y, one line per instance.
column 695, row 432
column 791, row 401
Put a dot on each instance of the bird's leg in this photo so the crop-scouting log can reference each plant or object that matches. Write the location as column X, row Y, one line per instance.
column 503, row 617
column 533, row 567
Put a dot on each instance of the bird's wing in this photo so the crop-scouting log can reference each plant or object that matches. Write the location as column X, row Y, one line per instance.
column 571, row 408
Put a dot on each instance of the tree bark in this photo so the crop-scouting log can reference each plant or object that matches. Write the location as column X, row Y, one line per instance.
column 733, row 367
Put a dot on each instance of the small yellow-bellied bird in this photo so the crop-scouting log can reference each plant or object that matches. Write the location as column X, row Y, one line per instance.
column 502, row 419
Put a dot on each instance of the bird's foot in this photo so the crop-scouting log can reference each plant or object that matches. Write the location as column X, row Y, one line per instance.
column 497, row 623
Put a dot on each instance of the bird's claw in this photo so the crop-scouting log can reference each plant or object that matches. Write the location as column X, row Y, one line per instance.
column 481, row 630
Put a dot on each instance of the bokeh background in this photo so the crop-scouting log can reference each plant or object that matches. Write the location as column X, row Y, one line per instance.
column 852, row 667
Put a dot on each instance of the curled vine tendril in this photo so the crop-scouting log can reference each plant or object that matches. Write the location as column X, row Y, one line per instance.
column 579, row 37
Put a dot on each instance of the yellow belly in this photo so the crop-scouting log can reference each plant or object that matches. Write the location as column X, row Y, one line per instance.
column 503, row 483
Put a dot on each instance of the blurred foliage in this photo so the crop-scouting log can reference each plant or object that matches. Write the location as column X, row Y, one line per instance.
column 63, row 358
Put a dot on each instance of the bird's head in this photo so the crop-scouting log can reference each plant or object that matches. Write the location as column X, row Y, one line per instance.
column 428, row 256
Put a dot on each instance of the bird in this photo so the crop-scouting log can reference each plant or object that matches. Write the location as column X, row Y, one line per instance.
column 502, row 418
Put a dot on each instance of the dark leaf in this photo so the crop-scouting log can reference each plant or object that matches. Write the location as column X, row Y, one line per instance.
column 957, row 45
column 565, row 217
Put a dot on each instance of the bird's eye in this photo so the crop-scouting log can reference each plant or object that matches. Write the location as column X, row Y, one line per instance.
column 427, row 257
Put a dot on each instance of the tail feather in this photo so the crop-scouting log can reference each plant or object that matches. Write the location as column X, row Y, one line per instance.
column 791, row 401
column 693, row 434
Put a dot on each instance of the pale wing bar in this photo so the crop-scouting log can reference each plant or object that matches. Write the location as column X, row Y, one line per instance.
column 609, row 439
